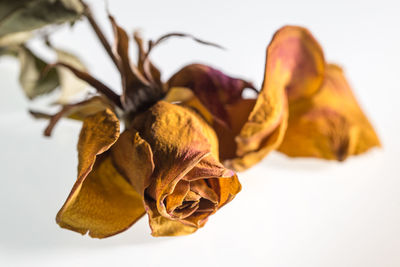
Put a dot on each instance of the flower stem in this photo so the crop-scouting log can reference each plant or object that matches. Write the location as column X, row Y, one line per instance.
column 96, row 28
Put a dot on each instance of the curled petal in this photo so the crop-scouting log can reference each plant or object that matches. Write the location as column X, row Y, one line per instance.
column 296, row 55
column 294, row 68
column 101, row 202
column 330, row 124
column 226, row 189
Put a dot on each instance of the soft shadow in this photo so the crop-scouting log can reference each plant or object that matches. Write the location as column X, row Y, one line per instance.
column 277, row 160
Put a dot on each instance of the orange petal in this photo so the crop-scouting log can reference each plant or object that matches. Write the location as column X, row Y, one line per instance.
column 330, row 124
column 294, row 69
column 226, row 189
column 101, row 202
column 162, row 226
column 176, row 198
column 133, row 157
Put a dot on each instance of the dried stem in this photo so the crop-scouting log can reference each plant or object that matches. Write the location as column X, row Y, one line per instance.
column 100, row 34
column 99, row 86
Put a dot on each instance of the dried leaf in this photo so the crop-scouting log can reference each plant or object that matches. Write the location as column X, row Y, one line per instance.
column 138, row 92
column 33, row 79
column 144, row 64
column 130, row 81
column 101, row 202
column 27, row 15
column 14, row 39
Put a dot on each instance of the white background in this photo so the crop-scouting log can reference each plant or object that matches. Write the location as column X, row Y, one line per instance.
column 290, row 213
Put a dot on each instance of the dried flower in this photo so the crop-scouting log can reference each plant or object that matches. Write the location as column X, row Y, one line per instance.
column 165, row 164
column 181, row 139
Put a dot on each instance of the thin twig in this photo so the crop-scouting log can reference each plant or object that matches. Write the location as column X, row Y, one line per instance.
column 152, row 44
column 99, row 33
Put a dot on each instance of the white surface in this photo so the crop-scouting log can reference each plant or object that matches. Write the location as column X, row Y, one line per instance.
column 290, row 213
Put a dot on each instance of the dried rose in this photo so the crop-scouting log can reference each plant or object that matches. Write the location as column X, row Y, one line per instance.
column 165, row 163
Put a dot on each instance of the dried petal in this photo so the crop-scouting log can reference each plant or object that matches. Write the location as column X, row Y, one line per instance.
column 213, row 88
column 34, row 81
column 330, row 124
column 101, row 202
column 294, row 61
column 134, row 159
column 162, row 226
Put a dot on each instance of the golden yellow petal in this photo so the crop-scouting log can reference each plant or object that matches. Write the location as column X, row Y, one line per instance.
column 99, row 132
column 269, row 143
column 162, row 226
column 329, row 125
column 133, row 158
column 101, row 202
column 226, row 188
column 178, row 94
column 238, row 114
column 175, row 199
column 208, row 167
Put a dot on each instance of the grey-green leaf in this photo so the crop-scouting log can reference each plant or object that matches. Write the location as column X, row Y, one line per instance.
column 26, row 15
column 33, row 78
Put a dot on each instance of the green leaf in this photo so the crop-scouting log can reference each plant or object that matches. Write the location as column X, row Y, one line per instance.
column 26, row 15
